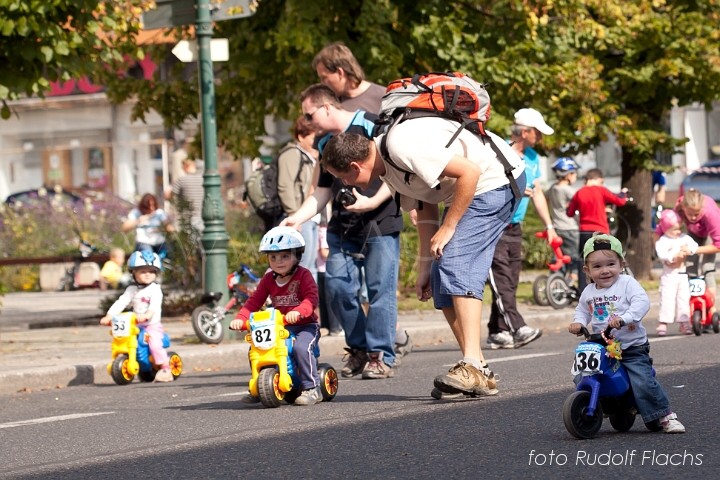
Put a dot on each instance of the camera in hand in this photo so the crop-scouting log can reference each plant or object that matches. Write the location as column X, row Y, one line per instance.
column 345, row 197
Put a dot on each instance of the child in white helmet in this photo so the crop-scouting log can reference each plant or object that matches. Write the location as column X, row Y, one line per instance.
column 293, row 292
column 145, row 297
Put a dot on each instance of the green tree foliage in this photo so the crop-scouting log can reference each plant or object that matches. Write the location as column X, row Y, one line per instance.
column 597, row 69
column 43, row 41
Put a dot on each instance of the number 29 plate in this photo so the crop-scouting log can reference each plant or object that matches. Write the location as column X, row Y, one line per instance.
column 587, row 359
column 263, row 334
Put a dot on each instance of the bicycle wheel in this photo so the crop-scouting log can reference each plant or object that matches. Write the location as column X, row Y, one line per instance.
column 558, row 291
column 539, row 287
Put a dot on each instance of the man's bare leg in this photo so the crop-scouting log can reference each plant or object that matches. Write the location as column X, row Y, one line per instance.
column 470, row 376
column 464, row 319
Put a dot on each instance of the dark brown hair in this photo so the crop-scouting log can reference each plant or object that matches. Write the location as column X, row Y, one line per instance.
column 338, row 55
column 148, row 204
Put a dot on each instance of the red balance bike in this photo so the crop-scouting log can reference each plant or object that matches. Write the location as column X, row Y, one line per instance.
column 700, row 304
column 558, row 288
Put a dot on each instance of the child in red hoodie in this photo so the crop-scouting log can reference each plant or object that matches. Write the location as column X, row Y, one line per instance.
column 589, row 204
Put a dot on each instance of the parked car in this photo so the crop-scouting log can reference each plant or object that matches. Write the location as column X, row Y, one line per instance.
column 41, row 195
column 706, row 179
column 73, row 198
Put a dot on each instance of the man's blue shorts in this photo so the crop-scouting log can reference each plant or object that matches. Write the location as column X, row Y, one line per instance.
column 463, row 268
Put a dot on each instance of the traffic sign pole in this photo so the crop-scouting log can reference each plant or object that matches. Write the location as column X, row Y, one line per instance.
column 215, row 238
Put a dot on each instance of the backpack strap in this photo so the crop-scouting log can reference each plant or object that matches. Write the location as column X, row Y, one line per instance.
column 506, row 166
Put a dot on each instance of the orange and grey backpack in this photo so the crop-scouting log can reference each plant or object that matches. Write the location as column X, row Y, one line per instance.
column 451, row 95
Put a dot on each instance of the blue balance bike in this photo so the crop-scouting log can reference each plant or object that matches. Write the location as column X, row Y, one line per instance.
column 603, row 389
column 274, row 375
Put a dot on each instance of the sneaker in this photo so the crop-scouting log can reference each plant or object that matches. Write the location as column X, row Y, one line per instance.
column 375, row 368
column 661, row 329
column 686, row 329
column 671, row 424
column 309, row 397
column 465, row 378
column 525, row 335
column 337, row 333
column 402, row 349
column 249, row 399
column 164, row 375
column 501, row 340
column 440, row 395
column 355, row 362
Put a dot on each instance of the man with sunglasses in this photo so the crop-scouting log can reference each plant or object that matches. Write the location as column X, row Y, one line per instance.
column 364, row 233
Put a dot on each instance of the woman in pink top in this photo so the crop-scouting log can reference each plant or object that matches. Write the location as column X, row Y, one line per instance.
column 701, row 216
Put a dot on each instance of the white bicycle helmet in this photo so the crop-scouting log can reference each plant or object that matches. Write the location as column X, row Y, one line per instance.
column 282, row 238
column 144, row 258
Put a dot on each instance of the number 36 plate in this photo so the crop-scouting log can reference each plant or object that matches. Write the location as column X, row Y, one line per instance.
column 587, row 359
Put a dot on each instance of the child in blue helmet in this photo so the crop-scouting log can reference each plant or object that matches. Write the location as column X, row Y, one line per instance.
column 145, row 297
column 558, row 197
column 293, row 291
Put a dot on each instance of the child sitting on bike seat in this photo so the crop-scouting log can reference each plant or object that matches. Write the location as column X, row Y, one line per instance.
column 620, row 302
column 145, row 298
column 293, row 292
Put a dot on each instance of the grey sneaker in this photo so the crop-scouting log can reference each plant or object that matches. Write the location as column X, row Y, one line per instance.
column 309, row 397
column 465, row 378
column 355, row 362
column 500, row 340
column 375, row 368
column 525, row 335
column 402, row 349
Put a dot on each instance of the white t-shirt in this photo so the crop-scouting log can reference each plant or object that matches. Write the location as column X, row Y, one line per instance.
column 150, row 232
column 667, row 249
column 142, row 300
column 418, row 145
column 625, row 298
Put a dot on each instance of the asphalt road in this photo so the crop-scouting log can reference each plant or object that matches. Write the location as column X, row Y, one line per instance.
column 196, row 428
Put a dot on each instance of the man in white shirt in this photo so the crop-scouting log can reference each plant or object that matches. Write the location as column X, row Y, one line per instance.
column 455, row 251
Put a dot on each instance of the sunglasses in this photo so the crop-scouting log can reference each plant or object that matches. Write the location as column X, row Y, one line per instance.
column 309, row 116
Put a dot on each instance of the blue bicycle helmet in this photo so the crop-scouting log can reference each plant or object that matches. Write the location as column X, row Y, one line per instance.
column 144, row 258
column 563, row 166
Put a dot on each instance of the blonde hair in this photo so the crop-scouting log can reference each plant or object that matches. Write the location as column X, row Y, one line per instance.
column 692, row 199
column 117, row 252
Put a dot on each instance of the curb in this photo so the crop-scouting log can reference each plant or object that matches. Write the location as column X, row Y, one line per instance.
column 196, row 358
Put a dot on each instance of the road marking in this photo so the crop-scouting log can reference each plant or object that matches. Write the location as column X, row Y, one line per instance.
column 59, row 418
column 666, row 339
column 518, row 357
column 549, row 354
column 524, row 357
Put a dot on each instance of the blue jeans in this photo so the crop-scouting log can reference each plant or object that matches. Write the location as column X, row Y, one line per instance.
column 306, row 338
column 374, row 332
column 309, row 232
column 651, row 400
